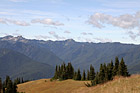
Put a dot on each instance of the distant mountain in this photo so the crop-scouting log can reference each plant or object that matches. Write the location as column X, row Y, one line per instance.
column 35, row 52
column 16, row 65
column 81, row 54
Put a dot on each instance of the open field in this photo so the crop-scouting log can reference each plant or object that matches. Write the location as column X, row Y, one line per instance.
column 118, row 85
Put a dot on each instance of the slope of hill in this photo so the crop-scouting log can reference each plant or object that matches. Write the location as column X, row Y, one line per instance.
column 16, row 65
column 119, row 85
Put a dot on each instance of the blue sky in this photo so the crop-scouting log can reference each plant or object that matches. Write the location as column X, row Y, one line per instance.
column 81, row 20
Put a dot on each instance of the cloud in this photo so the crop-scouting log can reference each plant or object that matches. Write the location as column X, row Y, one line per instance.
column 3, row 21
column 47, row 21
column 132, row 35
column 18, row 0
column 125, row 21
column 11, row 21
column 16, row 34
column 67, row 32
column 84, row 33
column 56, row 36
column 103, row 40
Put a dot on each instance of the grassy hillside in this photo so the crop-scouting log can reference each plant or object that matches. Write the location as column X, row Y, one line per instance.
column 46, row 86
column 118, row 85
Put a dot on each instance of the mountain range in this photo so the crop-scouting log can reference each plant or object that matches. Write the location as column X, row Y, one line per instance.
column 38, row 57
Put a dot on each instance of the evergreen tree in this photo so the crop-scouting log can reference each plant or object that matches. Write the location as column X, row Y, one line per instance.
column 84, row 75
column 78, row 75
column 1, row 88
column 9, row 87
column 91, row 73
column 106, row 70
column 96, row 80
column 110, row 67
column 70, row 71
column 101, row 74
column 122, row 69
column 87, row 75
column 75, row 75
column 116, row 67
column 59, row 72
column 22, row 81
column 56, row 72
column 6, row 81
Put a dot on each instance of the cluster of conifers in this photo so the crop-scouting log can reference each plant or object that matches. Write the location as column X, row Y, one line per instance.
column 8, row 86
column 106, row 72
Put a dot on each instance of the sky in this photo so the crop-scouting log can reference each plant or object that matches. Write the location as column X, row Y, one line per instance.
column 81, row 20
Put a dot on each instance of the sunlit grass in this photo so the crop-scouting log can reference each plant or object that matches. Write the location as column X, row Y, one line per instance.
column 118, row 85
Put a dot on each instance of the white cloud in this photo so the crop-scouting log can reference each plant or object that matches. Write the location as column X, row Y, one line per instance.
column 103, row 40
column 133, row 35
column 11, row 21
column 3, row 21
column 125, row 21
column 47, row 21
column 84, row 33
column 42, row 37
column 56, row 36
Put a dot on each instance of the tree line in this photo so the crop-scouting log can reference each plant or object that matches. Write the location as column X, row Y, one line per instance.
column 105, row 73
column 9, row 86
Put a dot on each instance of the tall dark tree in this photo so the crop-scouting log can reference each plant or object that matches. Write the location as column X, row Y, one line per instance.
column 1, row 88
column 116, row 67
column 84, row 75
column 56, row 72
column 110, row 67
column 78, row 75
column 122, row 69
column 101, row 74
column 70, row 71
column 87, row 75
column 91, row 73
column 96, row 80
column 9, row 86
column 106, row 70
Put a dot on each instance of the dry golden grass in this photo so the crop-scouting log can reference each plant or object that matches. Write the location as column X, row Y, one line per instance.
column 118, row 85
column 40, row 86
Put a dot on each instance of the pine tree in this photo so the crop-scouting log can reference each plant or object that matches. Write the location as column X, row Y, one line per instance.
column 84, row 75
column 96, row 80
column 78, row 75
column 87, row 75
column 122, row 69
column 106, row 70
column 1, row 88
column 22, row 81
column 70, row 71
column 110, row 67
column 9, row 87
column 116, row 67
column 91, row 73
column 74, row 77
column 59, row 72
column 56, row 73
column 101, row 74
